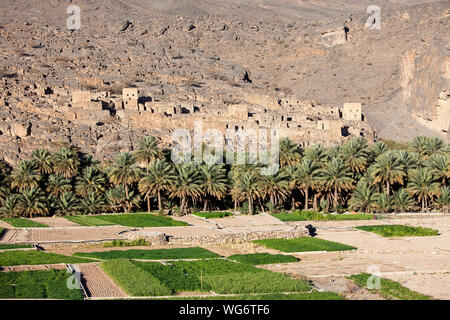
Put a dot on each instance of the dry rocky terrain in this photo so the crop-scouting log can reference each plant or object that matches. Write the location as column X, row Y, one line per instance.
column 297, row 61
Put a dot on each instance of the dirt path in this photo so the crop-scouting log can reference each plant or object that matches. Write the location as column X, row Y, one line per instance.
column 97, row 283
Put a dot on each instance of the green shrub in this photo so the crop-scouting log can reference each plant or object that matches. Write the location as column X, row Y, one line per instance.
column 126, row 243
column 30, row 257
column 262, row 258
column 134, row 280
column 23, row 223
column 399, row 231
column 212, row 215
column 155, row 254
column 303, row 244
column 388, row 289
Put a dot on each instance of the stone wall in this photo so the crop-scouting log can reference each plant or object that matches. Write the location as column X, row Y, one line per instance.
column 157, row 238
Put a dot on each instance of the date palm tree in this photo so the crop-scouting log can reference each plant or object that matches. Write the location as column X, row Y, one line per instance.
column 306, row 175
column 290, row 152
column 317, row 154
column 118, row 198
column 337, row 177
column 440, row 166
column 214, row 182
column 377, row 149
column 124, row 171
column 92, row 203
column 187, row 184
column 275, row 186
column 147, row 151
column 409, row 160
column 363, row 198
column 9, row 206
column 403, row 201
column 90, row 180
column 388, row 169
column 42, row 159
column 421, row 184
column 25, row 175
column 354, row 153
column 57, row 184
column 31, row 202
column 66, row 203
column 383, row 203
column 291, row 172
column 247, row 188
column 443, row 200
column 158, row 178
column 66, row 162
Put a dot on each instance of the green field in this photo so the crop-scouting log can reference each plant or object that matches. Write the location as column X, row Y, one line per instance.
column 317, row 216
column 89, row 220
column 388, row 289
column 303, row 244
column 137, row 220
column 399, row 231
column 262, row 258
column 51, row 284
column 30, row 257
column 220, row 276
column 315, row 295
column 212, row 215
column 134, row 280
column 155, row 254
column 23, row 223
column 15, row 246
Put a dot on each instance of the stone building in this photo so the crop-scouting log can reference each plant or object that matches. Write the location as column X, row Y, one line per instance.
column 352, row 112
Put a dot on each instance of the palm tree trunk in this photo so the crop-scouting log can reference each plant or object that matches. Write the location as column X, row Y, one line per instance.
column 335, row 197
column 306, row 198
column 293, row 203
column 205, row 206
column 261, row 205
column 182, row 206
column 388, row 188
column 126, row 190
column 235, row 205
column 423, row 204
column 250, row 209
column 159, row 200
column 316, row 195
column 148, row 204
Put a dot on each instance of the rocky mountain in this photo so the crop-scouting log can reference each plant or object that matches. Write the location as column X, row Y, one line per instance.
column 218, row 53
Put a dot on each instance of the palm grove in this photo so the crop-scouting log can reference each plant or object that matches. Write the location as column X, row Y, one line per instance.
column 354, row 176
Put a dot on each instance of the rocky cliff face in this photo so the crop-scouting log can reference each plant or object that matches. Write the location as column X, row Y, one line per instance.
column 217, row 53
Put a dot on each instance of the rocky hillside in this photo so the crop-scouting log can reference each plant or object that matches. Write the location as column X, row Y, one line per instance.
column 227, row 50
